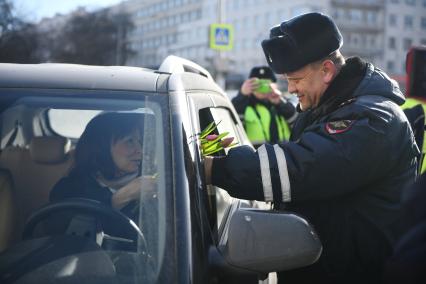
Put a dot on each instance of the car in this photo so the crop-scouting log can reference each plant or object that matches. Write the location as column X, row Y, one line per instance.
column 187, row 232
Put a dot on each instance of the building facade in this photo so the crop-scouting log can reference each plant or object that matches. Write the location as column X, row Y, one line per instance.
column 405, row 27
column 380, row 31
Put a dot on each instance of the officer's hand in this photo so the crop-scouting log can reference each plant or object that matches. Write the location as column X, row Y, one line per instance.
column 276, row 95
column 249, row 86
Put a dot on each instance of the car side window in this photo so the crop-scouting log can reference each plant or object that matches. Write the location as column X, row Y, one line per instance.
column 225, row 123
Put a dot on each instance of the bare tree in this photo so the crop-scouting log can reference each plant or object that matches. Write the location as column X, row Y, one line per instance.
column 18, row 39
column 97, row 38
column 93, row 38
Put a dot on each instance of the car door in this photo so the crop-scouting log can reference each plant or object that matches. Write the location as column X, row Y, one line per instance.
column 219, row 205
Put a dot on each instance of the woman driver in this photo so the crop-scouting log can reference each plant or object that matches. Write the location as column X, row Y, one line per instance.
column 107, row 164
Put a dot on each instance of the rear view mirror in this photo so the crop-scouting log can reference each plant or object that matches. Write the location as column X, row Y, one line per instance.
column 267, row 241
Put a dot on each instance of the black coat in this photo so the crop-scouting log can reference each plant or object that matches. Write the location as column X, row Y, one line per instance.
column 77, row 186
column 408, row 262
column 344, row 171
column 86, row 186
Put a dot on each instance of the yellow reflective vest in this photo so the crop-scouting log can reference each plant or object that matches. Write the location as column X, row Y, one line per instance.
column 257, row 121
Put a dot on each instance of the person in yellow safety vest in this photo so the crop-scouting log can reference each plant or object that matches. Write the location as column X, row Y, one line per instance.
column 265, row 113
column 410, row 103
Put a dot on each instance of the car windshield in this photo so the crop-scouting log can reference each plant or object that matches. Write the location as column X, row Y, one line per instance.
column 53, row 150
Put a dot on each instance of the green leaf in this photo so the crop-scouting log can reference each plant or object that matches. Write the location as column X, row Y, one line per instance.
column 212, row 147
column 206, row 131
column 212, row 151
column 212, row 126
column 216, row 141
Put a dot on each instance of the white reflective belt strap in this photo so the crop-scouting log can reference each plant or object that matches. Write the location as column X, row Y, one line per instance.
column 265, row 173
column 292, row 118
column 283, row 172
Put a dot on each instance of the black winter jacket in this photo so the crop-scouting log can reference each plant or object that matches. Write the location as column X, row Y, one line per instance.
column 349, row 160
column 86, row 186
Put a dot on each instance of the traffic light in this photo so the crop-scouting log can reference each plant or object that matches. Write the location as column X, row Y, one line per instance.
column 416, row 72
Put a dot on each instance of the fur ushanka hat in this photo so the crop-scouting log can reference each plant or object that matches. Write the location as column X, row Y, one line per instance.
column 301, row 40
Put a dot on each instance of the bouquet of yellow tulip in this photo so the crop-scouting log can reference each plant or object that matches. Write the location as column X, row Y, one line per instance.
column 212, row 143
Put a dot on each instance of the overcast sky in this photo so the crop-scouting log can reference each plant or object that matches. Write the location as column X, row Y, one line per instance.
column 34, row 10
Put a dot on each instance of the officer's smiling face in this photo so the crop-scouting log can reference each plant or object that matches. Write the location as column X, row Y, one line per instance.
column 308, row 84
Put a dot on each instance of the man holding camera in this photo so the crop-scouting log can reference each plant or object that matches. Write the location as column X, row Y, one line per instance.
column 265, row 113
column 351, row 154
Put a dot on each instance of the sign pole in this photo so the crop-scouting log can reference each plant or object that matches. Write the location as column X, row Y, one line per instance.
column 221, row 64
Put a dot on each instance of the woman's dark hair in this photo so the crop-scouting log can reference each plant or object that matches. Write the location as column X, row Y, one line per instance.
column 93, row 150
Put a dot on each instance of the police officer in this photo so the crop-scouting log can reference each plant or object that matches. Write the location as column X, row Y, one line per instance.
column 415, row 104
column 351, row 153
column 415, row 110
column 265, row 113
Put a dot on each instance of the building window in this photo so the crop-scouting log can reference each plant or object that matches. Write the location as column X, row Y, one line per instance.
column 244, row 44
column 423, row 41
column 408, row 42
column 395, row 1
column 390, row 65
column 371, row 17
column 339, row 13
column 236, row 4
column 410, row 2
column 408, row 22
column 393, row 20
column 363, row 40
column 245, row 23
column 423, row 23
column 424, row 3
column 392, row 43
column 356, row 15
column 354, row 39
column 373, row 42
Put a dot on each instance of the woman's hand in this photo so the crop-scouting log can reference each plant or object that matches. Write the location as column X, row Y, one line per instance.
column 144, row 185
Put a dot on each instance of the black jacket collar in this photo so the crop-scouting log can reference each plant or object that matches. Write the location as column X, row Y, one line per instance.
column 340, row 90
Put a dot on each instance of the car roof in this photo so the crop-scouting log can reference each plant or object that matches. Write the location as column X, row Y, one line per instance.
column 75, row 76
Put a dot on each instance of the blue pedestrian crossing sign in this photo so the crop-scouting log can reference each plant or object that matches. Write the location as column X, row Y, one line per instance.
column 221, row 36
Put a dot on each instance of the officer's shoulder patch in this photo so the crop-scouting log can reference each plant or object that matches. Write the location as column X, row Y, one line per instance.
column 336, row 127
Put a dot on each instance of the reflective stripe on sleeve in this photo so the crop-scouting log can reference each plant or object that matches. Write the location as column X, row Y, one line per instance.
column 265, row 173
column 283, row 172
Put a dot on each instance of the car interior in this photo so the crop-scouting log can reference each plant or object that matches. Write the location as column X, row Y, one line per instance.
column 36, row 163
column 38, row 139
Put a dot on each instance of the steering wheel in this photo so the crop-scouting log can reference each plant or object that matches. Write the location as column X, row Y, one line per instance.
column 88, row 207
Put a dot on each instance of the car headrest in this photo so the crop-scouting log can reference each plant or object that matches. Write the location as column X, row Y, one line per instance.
column 49, row 149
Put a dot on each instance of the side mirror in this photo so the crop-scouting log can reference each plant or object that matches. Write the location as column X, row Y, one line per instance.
column 266, row 241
